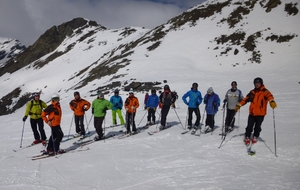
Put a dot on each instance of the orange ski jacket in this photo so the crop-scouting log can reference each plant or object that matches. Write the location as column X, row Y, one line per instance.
column 52, row 113
column 79, row 106
column 259, row 99
column 131, row 104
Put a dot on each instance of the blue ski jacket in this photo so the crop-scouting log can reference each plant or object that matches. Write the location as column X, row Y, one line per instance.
column 117, row 102
column 152, row 101
column 195, row 98
column 212, row 103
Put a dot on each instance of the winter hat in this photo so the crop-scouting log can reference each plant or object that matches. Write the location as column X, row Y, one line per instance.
column 195, row 84
column 131, row 91
column 233, row 82
column 258, row 80
column 210, row 90
column 116, row 91
column 76, row 93
column 100, row 95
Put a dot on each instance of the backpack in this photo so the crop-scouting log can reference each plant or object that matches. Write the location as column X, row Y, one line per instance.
column 40, row 102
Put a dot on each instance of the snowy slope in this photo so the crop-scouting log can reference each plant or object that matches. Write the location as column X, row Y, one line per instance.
column 167, row 160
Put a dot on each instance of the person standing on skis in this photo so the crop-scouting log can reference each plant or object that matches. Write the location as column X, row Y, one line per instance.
column 117, row 103
column 232, row 97
column 167, row 99
column 99, row 108
column 52, row 116
column 195, row 99
column 212, row 102
column 131, row 105
column 151, row 105
column 79, row 106
column 258, row 98
column 34, row 108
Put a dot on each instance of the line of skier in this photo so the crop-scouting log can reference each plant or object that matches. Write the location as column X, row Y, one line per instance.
column 233, row 101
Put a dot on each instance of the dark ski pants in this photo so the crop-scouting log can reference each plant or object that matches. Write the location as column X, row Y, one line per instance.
column 151, row 114
column 98, row 121
column 230, row 117
column 79, row 124
column 254, row 121
column 198, row 117
column 35, row 125
column 210, row 120
column 164, row 112
column 55, row 139
column 130, row 120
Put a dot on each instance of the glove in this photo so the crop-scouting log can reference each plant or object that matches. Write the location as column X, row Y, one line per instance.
column 154, row 109
column 126, row 109
column 215, row 104
column 25, row 117
column 224, row 101
column 148, row 108
column 197, row 104
column 237, row 107
column 92, row 110
column 173, row 105
column 273, row 104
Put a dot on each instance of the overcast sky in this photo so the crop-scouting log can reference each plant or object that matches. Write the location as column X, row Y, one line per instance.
column 26, row 20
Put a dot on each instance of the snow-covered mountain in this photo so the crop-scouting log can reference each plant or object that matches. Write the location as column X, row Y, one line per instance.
column 212, row 44
column 216, row 34
column 9, row 48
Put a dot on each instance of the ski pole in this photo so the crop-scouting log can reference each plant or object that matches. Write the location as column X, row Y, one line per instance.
column 178, row 118
column 239, row 121
column 224, row 137
column 22, row 134
column 274, row 134
column 223, row 123
column 186, row 118
column 142, row 117
column 70, row 126
column 87, row 123
column 104, row 130
column 202, row 120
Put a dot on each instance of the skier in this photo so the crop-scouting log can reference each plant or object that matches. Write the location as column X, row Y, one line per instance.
column 131, row 105
column 52, row 116
column 167, row 99
column 145, row 100
column 79, row 106
column 232, row 97
column 34, row 108
column 99, row 108
column 258, row 97
column 117, row 103
column 195, row 99
column 151, row 105
column 212, row 102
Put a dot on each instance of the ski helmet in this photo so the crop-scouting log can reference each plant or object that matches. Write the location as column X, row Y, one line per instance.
column 76, row 93
column 166, row 87
column 116, row 90
column 55, row 96
column 258, row 80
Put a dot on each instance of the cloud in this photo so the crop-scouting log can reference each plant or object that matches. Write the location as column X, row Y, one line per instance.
column 26, row 20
